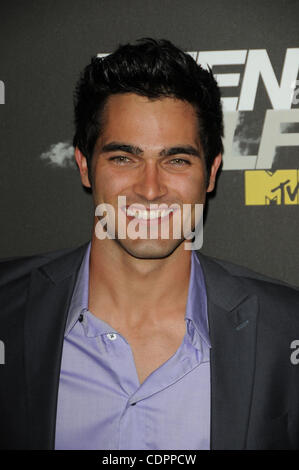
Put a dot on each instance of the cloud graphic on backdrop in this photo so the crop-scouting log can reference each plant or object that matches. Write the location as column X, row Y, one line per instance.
column 61, row 155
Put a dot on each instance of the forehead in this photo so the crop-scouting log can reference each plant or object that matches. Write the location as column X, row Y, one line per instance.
column 154, row 121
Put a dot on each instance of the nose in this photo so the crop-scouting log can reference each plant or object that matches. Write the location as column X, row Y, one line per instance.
column 150, row 185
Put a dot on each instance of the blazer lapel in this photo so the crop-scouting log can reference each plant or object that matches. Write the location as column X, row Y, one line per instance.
column 232, row 315
column 49, row 297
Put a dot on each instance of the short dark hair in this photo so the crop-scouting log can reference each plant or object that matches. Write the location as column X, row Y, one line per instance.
column 154, row 69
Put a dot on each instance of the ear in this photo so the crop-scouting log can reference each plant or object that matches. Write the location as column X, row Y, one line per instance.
column 214, row 168
column 82, row 165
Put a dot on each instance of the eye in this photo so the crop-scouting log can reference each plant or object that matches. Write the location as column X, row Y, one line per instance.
column 179, row 161
column 120, row 159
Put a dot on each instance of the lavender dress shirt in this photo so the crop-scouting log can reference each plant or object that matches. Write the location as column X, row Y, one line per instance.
column 101, row 404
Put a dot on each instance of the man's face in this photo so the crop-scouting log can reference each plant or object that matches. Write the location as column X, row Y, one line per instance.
column 148, row 151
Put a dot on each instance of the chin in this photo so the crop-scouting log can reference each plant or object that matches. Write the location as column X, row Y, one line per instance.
column 149, row 249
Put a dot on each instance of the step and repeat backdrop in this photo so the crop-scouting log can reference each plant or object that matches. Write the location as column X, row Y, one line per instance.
column 253, row 49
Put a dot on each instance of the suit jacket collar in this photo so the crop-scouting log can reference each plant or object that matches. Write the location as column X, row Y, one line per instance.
column 232, row 324
column 232, row 313
column 49, row 296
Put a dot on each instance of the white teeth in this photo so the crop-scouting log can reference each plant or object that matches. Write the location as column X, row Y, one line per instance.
column 146, row 215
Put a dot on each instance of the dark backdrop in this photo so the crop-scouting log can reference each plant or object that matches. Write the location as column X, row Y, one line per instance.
column 45, row 44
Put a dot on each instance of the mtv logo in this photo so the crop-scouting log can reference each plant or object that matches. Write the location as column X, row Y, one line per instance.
column 271, row 202
column 266, row 188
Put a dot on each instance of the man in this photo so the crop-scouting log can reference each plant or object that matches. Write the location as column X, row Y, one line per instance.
column 142, row 343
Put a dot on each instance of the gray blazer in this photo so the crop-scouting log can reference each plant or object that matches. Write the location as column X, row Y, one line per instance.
column 252, row 321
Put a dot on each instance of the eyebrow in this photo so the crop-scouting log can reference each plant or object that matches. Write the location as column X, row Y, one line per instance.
column 182, row 149
column 118, row 146
column 167, row 152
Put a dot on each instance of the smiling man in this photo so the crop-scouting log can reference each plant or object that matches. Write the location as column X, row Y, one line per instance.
column 141, row 342
column 149, row 151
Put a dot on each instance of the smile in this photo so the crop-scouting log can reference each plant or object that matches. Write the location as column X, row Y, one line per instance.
column 142, row 214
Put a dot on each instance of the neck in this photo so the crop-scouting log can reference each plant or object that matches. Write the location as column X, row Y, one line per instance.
column 129, row 290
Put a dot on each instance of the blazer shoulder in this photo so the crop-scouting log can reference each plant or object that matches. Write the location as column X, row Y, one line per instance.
column 244, row 272
column 17, row 268
column 278, row 300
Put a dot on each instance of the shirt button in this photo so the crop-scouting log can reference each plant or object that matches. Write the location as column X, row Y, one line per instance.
column 111, row 336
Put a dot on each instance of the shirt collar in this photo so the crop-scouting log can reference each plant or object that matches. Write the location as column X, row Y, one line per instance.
column 196, row 307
